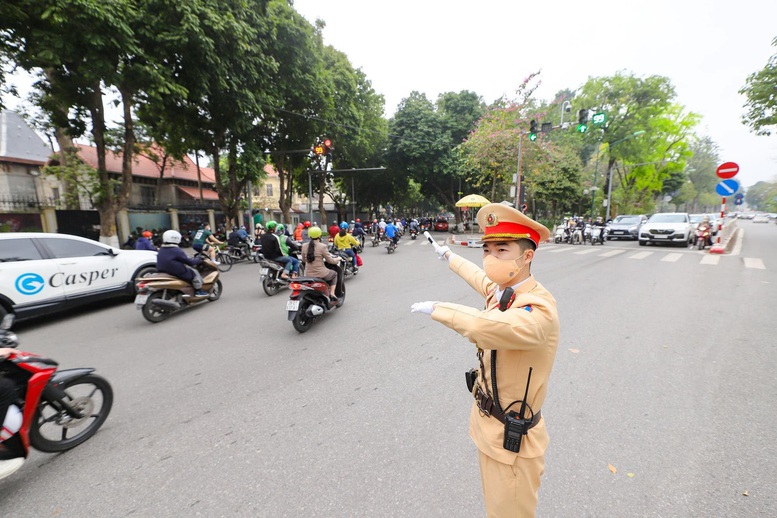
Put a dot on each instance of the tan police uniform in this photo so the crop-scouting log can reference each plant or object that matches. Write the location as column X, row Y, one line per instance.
column 525, row 335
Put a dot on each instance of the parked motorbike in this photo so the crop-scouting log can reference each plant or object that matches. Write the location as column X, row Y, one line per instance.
column 271, row 273
column 159, row 295
column 309, row 299
column 60, row 409
column 598, row 235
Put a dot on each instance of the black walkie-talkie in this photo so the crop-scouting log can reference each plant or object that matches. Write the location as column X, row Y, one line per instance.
column 506, row 299
column 516, row 425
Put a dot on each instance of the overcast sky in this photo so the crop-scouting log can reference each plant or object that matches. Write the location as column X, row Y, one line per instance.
column 706, row 48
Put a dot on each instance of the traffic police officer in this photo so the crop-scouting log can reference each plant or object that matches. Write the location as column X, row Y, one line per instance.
column 521, row 334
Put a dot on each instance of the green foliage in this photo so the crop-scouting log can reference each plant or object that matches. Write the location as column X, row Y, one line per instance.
column 761, row 92
column 761, row 196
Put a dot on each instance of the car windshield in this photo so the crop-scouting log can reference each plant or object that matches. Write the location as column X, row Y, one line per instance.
column 668, row 218
column 626, row 220
column 696, row 218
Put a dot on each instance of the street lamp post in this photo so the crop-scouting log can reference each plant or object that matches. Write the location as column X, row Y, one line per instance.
column 609, row 178
column 568, row 106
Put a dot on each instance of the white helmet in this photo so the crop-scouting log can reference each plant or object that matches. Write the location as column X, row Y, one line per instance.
column 171, row 236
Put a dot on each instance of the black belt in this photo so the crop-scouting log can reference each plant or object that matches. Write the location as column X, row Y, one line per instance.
column 486, row 405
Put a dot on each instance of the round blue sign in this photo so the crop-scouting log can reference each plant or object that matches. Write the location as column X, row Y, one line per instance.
column 29, row 283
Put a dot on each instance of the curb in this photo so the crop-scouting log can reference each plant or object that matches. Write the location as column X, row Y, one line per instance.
column 722, row 248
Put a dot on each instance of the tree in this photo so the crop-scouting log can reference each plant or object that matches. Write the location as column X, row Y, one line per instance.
column 761, row 92
column 642, row 164
column 761, row 196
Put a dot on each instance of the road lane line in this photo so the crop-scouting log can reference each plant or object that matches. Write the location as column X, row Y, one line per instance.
column 710, row 259
column 587, row 251
column 560, row 249
column 410, row 243
column 672, row 258
column 612, row 253
column 640, row 255
column 751, row 262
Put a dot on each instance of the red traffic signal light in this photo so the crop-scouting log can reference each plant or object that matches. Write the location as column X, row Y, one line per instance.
column 327, row 143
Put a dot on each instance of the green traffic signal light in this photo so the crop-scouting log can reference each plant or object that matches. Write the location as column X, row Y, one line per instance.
column 532, row 136
column 582, row 128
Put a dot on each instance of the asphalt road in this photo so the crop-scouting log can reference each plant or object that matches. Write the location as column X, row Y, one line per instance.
column 665, row 370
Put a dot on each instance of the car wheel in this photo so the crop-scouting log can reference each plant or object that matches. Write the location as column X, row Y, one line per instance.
column 642, row 243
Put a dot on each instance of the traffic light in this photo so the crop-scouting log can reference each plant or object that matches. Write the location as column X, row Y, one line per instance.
column 582, row 121
column 533, row 129
column 327, row 153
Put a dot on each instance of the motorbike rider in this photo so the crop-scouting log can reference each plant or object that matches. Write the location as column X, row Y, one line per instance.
column 258, row 231
column 10, row 457
column 414, row 225
column 333, row 230
column 288, row 244
column 204, row 240
column 599, row 223
column 358, row 232
column 391, row 232
column 706, row 225
column 172, row 260
column 298, row 232
column 238, row 238
column 144, row 242
column 580, row 225
column 314, row 254
column 271, row 249
column 345, row 243
column 305, row 230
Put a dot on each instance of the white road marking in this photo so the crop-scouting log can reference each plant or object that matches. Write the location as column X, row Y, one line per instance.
column 560, row 249
column 640, row 255
column 710, row 259
column 751, row 262
column 587, row 251
column 409, row 243
column 424, row 242
column 612, row 253
column 672, row 258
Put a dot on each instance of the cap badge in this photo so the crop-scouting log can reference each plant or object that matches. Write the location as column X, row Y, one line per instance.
column 492, row 220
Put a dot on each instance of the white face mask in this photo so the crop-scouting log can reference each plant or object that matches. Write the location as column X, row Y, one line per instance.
column 502, row 271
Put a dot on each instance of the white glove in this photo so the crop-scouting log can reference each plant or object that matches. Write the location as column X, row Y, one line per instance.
column 423, row 307
column 439, row 250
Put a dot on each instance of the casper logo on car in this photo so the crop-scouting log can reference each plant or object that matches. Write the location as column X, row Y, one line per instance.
column 29, row 283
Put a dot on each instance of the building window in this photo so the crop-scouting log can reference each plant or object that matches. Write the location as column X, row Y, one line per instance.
column 146, row 195
column 55, row 194
column 269, row 190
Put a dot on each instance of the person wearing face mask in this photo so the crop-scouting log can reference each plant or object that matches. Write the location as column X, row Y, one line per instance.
column 518, row 329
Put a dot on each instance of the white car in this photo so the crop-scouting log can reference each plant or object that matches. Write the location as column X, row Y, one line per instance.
column 761, row 218
column 42, row 273
column 668, row 227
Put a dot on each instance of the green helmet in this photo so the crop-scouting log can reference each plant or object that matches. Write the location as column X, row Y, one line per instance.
column 270, row 225
column 314, row 233
column 280, row 228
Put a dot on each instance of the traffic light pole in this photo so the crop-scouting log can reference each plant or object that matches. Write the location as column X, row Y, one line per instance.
column 518, row 176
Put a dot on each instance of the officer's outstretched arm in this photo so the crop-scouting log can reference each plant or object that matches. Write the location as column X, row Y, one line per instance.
column 472, row 273
column 515, row 329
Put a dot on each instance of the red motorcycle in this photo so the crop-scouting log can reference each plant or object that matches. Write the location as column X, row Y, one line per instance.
column 702, row 237
column 60, row 408
column 309, row 298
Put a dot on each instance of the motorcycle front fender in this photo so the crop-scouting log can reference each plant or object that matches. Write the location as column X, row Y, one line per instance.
column 54, row 391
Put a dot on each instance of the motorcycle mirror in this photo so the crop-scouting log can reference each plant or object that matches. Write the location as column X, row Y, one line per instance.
column 8, row 321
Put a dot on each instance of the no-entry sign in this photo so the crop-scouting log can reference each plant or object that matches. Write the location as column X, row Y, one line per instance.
column 727, row 170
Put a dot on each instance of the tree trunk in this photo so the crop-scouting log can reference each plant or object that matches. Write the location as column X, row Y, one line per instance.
column 128, row 153
column 105, row 198
column 69, row 182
